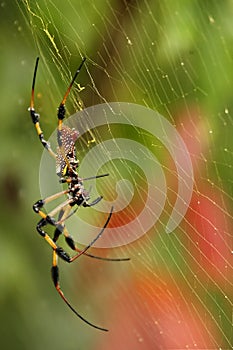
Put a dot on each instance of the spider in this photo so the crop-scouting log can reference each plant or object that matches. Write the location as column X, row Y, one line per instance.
column 66, row 168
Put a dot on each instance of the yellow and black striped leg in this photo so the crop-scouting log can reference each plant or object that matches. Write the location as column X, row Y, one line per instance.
column 35, row 116
column 59, row 251
column 35, row 119
column 48, row 219
column 55, row 278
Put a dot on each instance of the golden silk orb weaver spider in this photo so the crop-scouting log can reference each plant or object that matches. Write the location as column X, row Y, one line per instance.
column 76, row 195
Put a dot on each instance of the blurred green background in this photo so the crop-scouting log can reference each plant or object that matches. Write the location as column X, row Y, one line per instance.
column 175, row 57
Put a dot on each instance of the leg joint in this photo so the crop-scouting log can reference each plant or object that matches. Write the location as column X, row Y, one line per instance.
column 38, row 205
column 40, row 224
column 43, row 141
column 35, row 116
column 50, row 220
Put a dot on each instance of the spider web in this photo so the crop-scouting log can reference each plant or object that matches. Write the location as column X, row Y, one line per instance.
column 175, row 58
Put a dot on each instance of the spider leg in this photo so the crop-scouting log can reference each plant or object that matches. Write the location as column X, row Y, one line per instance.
column 61, row 228
column 70, row 213
column 94, row 177
column 69, row 180
column 70, row 241
column 43, row 222
column 55, row 269
column 97, row 200
column 41, row 202
column 102, row 258
column 61, row 109
column 35, row 116
column 63, row 209
column 81, row 252
column 48, row 219
column 58, row 251
column 55, row 278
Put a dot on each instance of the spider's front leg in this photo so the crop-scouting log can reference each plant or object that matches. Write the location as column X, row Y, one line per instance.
column 35, row 116
column 35, row 119
column 62, row 109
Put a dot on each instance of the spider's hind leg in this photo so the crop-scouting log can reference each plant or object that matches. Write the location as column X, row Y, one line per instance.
column 55, row 278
